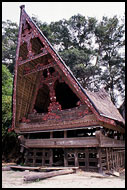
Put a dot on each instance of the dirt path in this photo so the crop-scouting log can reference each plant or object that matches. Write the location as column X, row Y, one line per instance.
column 80, row 179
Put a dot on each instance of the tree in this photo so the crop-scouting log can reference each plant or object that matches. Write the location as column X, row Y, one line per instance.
column 6, row 100
column 10, row 144
column 110, row 39
column 9, row 43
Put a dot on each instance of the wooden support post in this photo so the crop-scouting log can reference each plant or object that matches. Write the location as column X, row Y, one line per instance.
column 51, row 134
column 26, row 157
column 34, row 157
column 117, row 161
column 107, row 158
column 87, row 158
column 99, row 161
column 76, row 158
column 120, row 158
column 28, row 135
column 51, row 157
column 112, row 160
column 65, row 134
column 65, row 158
column 43, row 157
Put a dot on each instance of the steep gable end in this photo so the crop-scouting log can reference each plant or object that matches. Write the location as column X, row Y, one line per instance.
column 42, row 81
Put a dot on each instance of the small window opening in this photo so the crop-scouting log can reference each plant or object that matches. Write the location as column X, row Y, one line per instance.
column 94, row 164
column 39, row 161
column 70, row 155
column 81, row 155
column 38, row 153
column 92, row 155
column 30, row 154
column 58, row 157
column 30, row 160
column 71, row 163
column 81, row 163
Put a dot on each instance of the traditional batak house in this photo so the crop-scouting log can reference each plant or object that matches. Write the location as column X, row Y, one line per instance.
column 59, row 122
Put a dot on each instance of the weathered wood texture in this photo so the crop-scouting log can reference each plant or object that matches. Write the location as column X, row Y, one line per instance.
column 24, row 168
column 64, row 119
column 79, row 157
column 51, row 125
column 47, row 175
column 6, row 168
column 62, row 143
column 111, row 159
column 98, row 140
column 108, row 142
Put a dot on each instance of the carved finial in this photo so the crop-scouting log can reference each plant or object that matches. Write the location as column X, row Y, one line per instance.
column 22, row 6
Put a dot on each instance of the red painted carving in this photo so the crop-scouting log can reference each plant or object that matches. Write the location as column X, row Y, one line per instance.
column 50, row 115
column 50, row 82
column 38, row 67
column 54, row 106
column 85, row 112
column 25, row 120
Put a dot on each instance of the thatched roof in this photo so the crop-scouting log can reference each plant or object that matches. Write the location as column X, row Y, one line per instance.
column 104, row 105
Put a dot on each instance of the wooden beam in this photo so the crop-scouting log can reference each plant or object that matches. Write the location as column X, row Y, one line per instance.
column 76, row 158
column 43, row 67
column 108, row 142
column 99, row 161
column 33, row 58
column 47, row 174
column 65, row 158
column 24, row 168
column 60, row 143
column 65, row 134
column 57, row 168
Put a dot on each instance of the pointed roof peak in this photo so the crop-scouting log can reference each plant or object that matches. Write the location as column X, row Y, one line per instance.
column 22, row 7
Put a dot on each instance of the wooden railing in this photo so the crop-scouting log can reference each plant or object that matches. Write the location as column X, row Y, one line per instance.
column 62, row 142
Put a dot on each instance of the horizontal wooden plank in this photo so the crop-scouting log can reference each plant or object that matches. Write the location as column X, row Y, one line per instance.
column 108, row 142
column 59, row 142
column 88, row 120
column 58, row 168
column 24, row 167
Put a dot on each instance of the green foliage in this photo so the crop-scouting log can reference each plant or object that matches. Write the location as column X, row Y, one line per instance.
column 6, row 100
column 110, row 38
column 9, row 43
column 10, row 147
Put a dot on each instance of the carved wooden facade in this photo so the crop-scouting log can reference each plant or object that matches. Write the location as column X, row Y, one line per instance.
column 60, row 122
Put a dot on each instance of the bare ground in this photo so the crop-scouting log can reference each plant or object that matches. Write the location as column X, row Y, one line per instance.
column 80, row 179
